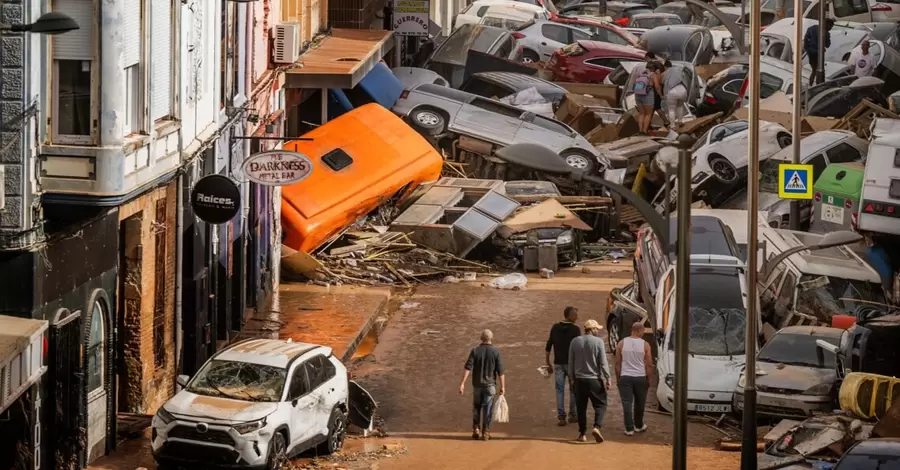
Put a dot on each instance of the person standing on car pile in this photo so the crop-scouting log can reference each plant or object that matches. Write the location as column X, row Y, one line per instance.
column 861, row 62
column 486, row 367
column 561, row 336
column 675, row 93
column 647, row 87
column 633, row 368
column 811, row 46
column 587, row 363
column 657, row 101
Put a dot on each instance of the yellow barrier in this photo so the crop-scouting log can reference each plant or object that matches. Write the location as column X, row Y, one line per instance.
column 868, row 396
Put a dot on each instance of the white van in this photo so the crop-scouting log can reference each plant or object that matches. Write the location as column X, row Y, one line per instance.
column 879, row 209
column 811, row 286
column 857, row 11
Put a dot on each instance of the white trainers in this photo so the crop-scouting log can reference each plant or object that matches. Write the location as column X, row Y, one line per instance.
column 641, row 429
column 629, row 433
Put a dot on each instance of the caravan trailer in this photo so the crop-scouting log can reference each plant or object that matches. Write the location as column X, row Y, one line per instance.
column 880, row 207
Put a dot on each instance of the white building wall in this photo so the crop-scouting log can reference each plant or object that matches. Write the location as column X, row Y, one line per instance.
column 199, row 73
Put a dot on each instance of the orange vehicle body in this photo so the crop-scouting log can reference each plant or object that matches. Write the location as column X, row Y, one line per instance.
column 389, row 161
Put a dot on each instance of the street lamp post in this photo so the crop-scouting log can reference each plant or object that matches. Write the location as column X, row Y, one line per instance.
column 748, row 442
column 49, row 23
column 682, row 304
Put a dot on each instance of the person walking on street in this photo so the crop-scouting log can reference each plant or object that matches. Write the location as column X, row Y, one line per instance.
column 486, row 367
column 811, row 46
column 861, row 62
column 633, row 368
column 587, row 363
column 561, row 336
column 675, row 93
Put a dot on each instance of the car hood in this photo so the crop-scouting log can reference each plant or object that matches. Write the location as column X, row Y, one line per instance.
column 187, row 404
column 792, row 377
column 767, row 201
column 711, row 373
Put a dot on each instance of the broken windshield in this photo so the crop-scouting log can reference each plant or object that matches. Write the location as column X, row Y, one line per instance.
column 239, row 380
column 799, row 350
column 714, row 332
column 824, row 296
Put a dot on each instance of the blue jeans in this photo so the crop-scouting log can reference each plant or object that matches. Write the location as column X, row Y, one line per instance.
column 483, row 404
column 561, row 373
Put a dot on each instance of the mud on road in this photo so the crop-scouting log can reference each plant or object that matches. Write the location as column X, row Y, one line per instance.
column 415, row 369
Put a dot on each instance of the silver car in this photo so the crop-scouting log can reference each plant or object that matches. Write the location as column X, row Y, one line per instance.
column 434, row 110
column 794, row 378
column 539, row 39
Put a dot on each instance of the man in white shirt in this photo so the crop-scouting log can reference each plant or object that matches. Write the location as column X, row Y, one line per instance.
column 861, row 61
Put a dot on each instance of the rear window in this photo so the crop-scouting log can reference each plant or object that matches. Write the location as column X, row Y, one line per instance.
column 650, row 23
column 683, row 12
column 715, row 290
column 850, row 7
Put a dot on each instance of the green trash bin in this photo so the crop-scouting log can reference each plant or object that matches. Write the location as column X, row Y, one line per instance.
column 838, row 191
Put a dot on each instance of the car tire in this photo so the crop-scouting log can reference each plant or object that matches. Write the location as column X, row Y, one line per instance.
column 427, row 121
column 722, row 168
column 613, row 335
column 277, row 457
column 337, row 432
column 530, row 57
column 580, row 160
column 784, row 140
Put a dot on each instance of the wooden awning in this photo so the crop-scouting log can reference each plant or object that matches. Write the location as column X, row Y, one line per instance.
column 341, row 60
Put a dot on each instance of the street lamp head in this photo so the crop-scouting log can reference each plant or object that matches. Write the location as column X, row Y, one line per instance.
column 844, row 237
column 667, row 156
column 52, row 23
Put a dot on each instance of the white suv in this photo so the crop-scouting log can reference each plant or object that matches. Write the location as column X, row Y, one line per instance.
column 257, row 403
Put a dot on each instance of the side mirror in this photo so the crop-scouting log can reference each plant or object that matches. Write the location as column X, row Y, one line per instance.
column 182, row 380
column 826, row 346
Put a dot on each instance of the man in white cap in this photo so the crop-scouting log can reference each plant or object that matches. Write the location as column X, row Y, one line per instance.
column 589, row 367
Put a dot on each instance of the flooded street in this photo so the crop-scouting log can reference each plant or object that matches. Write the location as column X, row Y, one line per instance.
column 414, row 373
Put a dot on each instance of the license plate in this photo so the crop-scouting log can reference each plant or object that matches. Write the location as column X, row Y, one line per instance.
column 833, row 214
column 713, row 408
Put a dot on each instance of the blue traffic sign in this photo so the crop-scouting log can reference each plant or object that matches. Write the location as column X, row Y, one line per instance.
column 795, row 181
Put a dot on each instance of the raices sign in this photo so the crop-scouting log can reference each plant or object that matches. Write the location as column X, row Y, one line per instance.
column 215, row 199
column 277, row 168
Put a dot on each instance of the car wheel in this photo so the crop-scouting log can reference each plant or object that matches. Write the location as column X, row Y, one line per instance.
column 784, row 140
column 277, row 452
column 722, row 168
column 428, row 121
column 337, row 431
column 612, row 326
column 530, row 57
column 580, row 160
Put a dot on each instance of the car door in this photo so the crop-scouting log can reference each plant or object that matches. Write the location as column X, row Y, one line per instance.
column 553, row 36
column 320, row 373
column 490, row 120
column 303, row 406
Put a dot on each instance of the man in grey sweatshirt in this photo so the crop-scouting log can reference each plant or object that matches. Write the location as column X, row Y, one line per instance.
column 589, row 367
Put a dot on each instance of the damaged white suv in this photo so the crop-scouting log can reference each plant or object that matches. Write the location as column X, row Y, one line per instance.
column 257, row 403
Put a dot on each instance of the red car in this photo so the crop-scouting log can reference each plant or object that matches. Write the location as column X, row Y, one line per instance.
column 590, row 61
column 601, row 30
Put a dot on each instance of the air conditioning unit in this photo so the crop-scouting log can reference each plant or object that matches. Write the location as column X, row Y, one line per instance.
column 287, row 43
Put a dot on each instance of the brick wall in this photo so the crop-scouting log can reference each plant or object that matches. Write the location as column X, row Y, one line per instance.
column 157, row 384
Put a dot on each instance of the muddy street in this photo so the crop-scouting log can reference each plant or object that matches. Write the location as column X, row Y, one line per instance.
column 415, row 369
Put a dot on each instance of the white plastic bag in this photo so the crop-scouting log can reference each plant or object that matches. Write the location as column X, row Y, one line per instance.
column 500, row 412
column 510, row 281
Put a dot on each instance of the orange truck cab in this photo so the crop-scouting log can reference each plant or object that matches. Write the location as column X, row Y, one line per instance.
column 360, row 160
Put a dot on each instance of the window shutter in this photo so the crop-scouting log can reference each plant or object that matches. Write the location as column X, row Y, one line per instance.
column 132, row 25
column 77, row 44
column 161, row 59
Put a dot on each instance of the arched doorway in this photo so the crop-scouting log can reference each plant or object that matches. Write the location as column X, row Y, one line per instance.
column 96, row 366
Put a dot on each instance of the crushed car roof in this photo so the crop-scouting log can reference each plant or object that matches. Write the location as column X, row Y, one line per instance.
column 269, row 352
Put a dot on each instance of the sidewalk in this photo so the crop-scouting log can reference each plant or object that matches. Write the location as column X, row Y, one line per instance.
column 339, row 317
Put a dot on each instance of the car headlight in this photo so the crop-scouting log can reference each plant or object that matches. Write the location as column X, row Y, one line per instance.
column 164, row 415
column 670, row 381
column 244, row 428
column 700, row 176
column 742, row 381
column 821, row 389
column 564, row 238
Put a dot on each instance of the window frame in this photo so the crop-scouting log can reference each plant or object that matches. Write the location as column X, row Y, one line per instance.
column 98, row 311
column 135, row 90
column 552, row 26
column 824, row 163
column 73, row 139
column 299, row 368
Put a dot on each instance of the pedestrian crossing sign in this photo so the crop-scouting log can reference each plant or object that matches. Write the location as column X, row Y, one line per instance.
column 795, row 181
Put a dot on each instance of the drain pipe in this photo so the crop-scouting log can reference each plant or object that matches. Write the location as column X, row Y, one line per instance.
column 179, row 219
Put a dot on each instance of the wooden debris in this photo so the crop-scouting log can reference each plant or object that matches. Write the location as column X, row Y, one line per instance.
column 859, row 119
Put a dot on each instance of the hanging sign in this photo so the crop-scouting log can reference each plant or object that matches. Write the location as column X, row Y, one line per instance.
column 277, row 168
column 411, row 17
column 215, row 199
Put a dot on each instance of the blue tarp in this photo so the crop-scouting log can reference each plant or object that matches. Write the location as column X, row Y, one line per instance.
column 380, row 86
